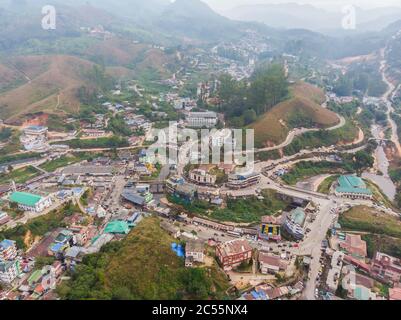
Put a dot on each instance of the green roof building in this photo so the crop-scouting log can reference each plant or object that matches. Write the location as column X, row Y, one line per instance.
column 29, row 201
column 117, row 227
column 352, row 187
column 297, row 216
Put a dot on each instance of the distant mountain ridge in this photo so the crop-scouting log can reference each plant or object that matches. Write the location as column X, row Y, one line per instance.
column 305, row 16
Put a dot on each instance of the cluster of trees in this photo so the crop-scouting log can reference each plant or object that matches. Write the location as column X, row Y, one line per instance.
column 5, row 134
column 39, row 226
column 118, row 126
column 112, row 142
column 366, row 79
column 242, row 101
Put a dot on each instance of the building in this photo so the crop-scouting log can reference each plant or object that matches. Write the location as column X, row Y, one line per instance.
column 30, row 202
column 35, row 130
column 270, row 228
column 4, row 218
column 394, row 293
column 171, row 229
column 117, row 227
column 202, row 119
column 194, row 252
column 9, row 270
column 294, row 222
column 180, row 189
column 352, row 187
column 232, row 253
column 89, row 170
column 240, row 181
column 269, row 263
column 386, row 268
column 139, row 199
column 8, row 250
column 202, row 177
column 334, row 273
column 354, row 245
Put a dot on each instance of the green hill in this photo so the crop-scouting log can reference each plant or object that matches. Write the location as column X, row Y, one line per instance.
column 303, row 109
column 142, row 266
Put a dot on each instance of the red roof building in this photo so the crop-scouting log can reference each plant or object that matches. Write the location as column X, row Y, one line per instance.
column 232, row 253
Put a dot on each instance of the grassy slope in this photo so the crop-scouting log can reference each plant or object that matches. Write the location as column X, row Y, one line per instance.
column 53, row 75
column 305, row 99
column 143, row 266
column 50, row 76
column 361, row 218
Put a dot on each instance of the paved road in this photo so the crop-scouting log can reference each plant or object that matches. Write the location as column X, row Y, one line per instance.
column 386, row 99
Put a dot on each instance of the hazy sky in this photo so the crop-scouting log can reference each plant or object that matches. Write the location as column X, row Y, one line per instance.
column 222, row 5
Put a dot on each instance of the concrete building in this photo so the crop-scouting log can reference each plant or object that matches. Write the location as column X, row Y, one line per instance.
column 270, row 228
column 30, row 202
column 232, row 253
column 9, row 270
column 352, row 187
column 35, row 130
column 294, row 222
column 386, row 268
column 354, row 245
column 201, row 119
column 194, row 252
column 4, row 218
column 202, row 177
column 239, row 181
column 269, row 263
column 8, row 250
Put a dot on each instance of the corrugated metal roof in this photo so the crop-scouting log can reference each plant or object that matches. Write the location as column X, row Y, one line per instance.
column 25, row 198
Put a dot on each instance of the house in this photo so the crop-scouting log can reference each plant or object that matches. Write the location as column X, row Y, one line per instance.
column 9, row 270
column 232, row 253
column 194, row 252
column 386, row 268
column 354, row 245
column 269, row 263
column 394, row 293
column 8, row 250
column 4, row 218
column 30, row 202
column 171, row 229
column 352, row 187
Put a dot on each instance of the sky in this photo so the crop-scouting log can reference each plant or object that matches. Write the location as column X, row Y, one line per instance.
column 335, row 5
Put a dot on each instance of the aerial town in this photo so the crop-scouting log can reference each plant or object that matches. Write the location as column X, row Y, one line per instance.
column 310, row 211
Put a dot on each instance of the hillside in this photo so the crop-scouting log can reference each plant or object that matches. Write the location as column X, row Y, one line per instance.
column 49, row 82
column 194, row 19
column 142, row 266
column 303, row 109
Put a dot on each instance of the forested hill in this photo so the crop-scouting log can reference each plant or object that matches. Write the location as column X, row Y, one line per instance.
column 242, row 103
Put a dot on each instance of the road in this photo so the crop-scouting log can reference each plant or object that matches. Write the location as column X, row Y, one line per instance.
column 299, row 131
column 387, row 101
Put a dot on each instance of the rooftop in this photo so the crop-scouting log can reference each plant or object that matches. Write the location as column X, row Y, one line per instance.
column 352, row 184
column 233, row 247
column 25, row 198
column 194, row 246
column 5, row 244
column 120, row 227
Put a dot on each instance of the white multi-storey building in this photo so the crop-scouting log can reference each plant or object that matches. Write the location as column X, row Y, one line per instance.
column 202, row 119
